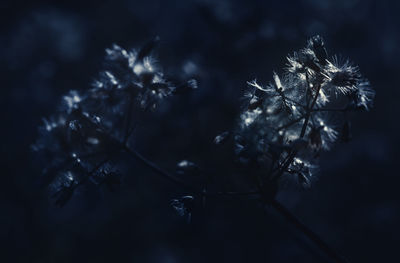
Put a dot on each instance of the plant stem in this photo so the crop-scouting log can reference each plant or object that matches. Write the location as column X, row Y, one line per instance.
column 274, row 203
column 303, row 129
column 136, row 155
column 302, row 133
column 308, row 232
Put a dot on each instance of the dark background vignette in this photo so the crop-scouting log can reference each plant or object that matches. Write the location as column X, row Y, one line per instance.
column 48, row 48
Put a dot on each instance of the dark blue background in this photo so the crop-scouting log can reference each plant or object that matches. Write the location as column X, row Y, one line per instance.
column 48, row 48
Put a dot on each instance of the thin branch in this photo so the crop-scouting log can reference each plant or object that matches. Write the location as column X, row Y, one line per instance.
column 274, row 203
column 179, row 182
column 136, row 155
column 303, row 129
column 302, row 133
column 308, row 232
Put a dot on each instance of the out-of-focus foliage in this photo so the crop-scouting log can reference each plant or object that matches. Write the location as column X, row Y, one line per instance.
column 90, row 127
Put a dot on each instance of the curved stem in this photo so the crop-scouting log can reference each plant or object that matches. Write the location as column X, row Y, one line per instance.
column 308, row 232
column 179, row 182
column 274, row 203
column 157, row 169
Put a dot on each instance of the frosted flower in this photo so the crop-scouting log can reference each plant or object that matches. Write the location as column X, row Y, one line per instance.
column 91, row 124
column 294, row 118
column 344, row 78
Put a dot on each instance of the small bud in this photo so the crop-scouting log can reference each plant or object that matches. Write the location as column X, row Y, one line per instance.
column 316, row 43
column 186, row 167
column 222, row 138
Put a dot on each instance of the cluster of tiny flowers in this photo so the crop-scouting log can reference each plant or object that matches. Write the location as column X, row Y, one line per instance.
column 302, row 112
column 283, row 127
column 79, row 141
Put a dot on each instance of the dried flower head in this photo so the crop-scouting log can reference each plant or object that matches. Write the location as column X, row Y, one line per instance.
column 92, row 125
column 301, row 113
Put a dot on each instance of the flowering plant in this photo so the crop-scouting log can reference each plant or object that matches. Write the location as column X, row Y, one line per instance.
column 286, row 124
column 281, row 131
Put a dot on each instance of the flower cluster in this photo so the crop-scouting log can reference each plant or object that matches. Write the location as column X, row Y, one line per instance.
column 281, row 132
column 288, row 122
column 282, row 129
column 92, row 125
